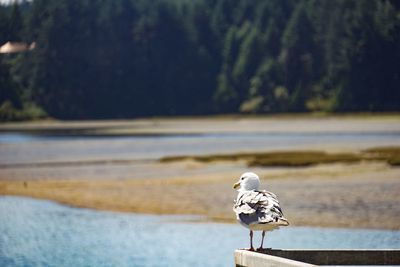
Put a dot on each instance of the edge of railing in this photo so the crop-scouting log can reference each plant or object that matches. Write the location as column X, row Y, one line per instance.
column 312, row 257
column 245, row 258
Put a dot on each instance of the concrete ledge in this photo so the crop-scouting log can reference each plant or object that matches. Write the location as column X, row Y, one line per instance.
column 340, row 257
column 290, row 257
column 244, row 258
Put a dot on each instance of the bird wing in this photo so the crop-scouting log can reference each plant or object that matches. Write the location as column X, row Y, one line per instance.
column 258, row 207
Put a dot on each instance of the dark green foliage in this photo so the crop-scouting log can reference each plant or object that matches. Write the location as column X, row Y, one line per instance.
column 15, row 26
column 125, row 58
column 8, row 87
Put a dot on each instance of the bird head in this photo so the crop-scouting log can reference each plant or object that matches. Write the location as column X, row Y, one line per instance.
column 247, row 181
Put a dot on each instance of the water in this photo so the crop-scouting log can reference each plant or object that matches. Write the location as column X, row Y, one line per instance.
column 295, row 137
column 43, row 233
column 18, row 148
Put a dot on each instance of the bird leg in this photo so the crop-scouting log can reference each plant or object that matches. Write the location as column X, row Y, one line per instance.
column 262, row 241
column 251, row 241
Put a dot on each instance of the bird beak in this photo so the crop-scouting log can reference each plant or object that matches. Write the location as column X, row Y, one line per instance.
column 236, row 185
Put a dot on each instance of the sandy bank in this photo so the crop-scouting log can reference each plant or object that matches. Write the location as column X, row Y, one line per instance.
column 357, row 196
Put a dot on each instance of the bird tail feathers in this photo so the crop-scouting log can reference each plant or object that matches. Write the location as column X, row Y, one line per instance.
column 283, row 221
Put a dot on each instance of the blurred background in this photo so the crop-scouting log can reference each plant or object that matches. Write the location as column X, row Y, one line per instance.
column 124, row 124
column 124, row 59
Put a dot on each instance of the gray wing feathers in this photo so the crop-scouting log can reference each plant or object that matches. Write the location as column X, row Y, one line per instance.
column 260, row 207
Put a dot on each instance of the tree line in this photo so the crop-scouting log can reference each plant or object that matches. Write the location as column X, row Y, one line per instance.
column 129, row 58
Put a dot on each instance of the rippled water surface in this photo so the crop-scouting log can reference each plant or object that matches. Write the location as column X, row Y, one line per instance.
column 43, row 233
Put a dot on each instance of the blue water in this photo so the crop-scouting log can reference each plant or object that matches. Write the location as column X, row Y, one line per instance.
column 15, row 137
column 43, row 233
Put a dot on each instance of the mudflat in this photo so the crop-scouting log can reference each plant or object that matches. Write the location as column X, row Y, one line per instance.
column 127, row 174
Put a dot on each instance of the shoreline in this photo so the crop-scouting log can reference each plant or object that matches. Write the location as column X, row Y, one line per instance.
column 173, row 125
column 364, row 196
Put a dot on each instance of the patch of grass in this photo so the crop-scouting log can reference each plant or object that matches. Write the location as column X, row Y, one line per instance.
column 390, row 154
column 299, row 158
column 213, row 158
column 284, row 159
column 394, row 161
column 384, row 150
column 302, row 159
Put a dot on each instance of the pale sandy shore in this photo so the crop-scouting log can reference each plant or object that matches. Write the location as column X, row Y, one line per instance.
column 362, row 195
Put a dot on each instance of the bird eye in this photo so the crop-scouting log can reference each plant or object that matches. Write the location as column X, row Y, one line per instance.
column 242, row 178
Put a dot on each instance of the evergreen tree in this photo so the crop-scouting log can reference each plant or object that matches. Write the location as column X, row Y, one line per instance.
column 124, row 58
column 15, row 26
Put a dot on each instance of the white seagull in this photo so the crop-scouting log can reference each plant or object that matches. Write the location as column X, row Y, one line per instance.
column 257, row 210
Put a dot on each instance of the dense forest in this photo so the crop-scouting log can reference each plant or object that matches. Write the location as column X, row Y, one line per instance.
column 129, row 58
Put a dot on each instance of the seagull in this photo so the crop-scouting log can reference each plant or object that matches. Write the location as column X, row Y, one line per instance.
column 257, row 210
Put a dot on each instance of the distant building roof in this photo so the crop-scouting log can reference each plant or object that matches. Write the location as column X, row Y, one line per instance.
column 14, row 47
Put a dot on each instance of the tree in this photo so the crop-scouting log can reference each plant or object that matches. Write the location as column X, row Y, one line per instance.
column 15, row 26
